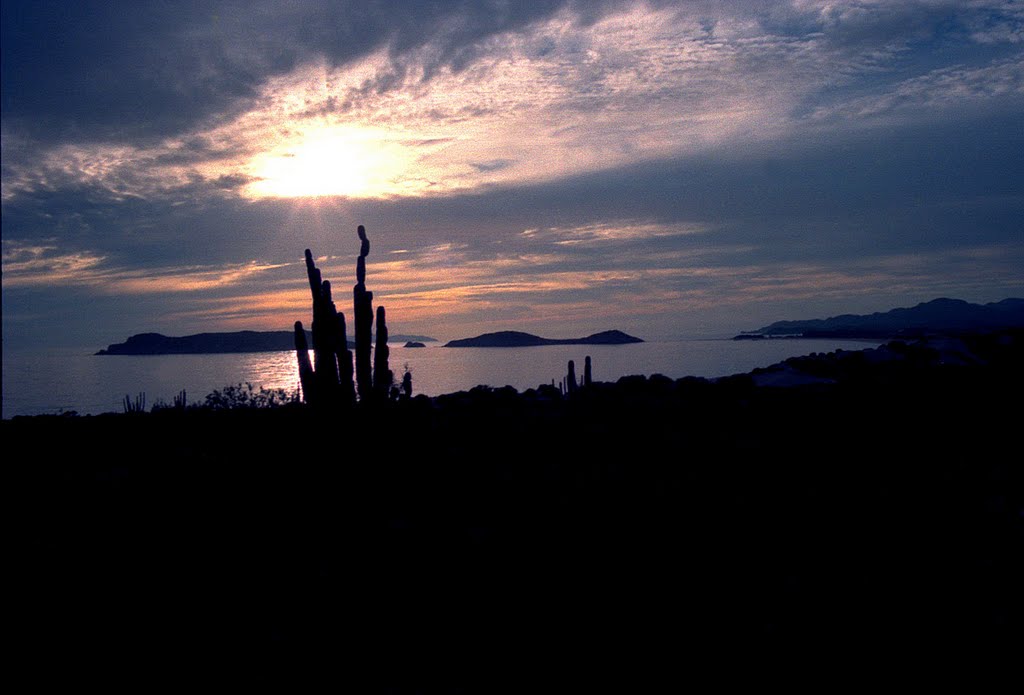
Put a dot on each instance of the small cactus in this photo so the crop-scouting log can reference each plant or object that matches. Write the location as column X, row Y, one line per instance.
column 407, row 383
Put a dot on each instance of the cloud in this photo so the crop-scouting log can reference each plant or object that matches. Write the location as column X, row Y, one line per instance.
column 25, row 264
column 471, row 102
column 606, row 233
column 46, row 265
column 96, row 70
column 936, row 93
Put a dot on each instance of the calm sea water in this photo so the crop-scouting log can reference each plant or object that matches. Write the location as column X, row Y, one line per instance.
column 54, row 381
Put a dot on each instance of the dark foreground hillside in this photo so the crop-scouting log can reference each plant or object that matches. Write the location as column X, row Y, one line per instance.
column 465, row 540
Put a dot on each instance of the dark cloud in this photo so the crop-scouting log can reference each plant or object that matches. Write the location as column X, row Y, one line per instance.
column 493, row 165
column 101, row 70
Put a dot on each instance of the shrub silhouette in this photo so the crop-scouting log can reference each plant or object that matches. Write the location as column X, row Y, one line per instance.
column 246, row 396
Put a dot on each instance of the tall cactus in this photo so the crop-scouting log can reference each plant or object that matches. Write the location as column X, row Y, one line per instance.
column 570, row 379
column 587, row 380
column 320, row 339
column 327, row 334
column 348, row 390
column 306, row 375
column 325, row 382
column 382, row 376
column 363, row 306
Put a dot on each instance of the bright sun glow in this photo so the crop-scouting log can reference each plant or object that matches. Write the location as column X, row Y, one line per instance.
column 354, row 162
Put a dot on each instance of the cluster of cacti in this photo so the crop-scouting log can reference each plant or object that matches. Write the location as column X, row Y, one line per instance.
column 136, row 406
column 569, row 384
column 328, row 380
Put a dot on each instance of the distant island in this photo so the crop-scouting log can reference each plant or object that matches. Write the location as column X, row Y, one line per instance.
column 937, row 316
column 520, row 339
column 215, row 343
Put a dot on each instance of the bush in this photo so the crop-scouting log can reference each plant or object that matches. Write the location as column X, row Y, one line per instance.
column 245, row 395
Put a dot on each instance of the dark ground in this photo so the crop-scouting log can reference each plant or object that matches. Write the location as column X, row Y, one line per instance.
column 464, row 541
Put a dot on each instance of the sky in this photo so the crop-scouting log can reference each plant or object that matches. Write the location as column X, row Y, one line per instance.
column 670, row 169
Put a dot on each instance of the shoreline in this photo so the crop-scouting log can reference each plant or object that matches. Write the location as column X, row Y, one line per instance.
column 100, row 385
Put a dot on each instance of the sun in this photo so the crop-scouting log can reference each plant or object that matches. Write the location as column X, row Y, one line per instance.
column 335, row 161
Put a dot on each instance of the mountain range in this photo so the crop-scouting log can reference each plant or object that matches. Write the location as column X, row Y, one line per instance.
column 937, row 316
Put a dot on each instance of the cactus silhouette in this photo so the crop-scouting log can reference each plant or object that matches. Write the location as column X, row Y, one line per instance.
column 407, row 384
column 382, row 376
column 348, row 389
column 328, row 380
column 363, row 307
column 307, row 377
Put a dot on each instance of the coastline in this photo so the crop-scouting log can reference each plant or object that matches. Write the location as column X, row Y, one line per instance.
column 53, row 381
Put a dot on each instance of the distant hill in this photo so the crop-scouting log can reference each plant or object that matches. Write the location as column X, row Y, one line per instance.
column 211, row 343
column 520, row 339
column 937, row 316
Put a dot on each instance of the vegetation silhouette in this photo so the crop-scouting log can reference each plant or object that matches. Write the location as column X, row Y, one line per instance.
column 837, row 499
column 241, row 396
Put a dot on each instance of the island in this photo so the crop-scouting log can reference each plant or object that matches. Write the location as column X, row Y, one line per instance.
column 520, row 339
column 414, row 344
column 939, row 316
column 217, row 343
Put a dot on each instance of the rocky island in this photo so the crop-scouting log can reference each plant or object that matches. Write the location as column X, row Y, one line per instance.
column 215, row 343
column 520, row 339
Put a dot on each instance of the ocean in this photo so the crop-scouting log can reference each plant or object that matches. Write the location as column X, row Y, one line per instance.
column 54, row 381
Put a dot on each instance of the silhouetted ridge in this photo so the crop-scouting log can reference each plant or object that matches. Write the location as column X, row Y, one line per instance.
column 835, row 498
column 520, row 339
column 937, row 316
